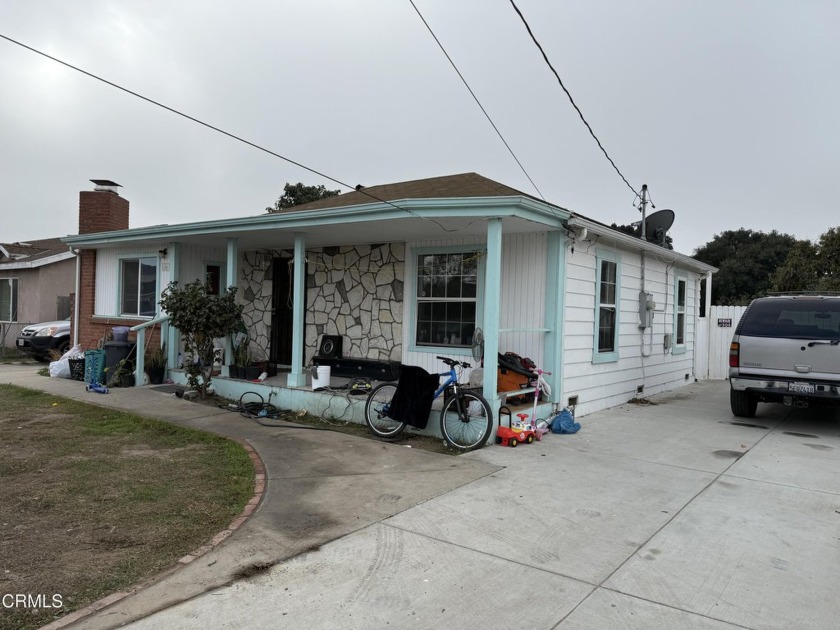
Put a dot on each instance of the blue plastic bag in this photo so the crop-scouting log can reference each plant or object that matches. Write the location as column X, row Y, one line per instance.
column 564, row 422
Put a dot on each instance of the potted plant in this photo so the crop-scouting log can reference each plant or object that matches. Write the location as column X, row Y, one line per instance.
column 247, row 369
column 155, row 360
column 122, row 376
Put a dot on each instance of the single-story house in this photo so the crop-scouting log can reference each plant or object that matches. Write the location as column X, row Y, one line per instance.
column 36, row 280
column 409, row 271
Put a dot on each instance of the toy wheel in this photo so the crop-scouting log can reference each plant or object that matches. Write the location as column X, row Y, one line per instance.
column 498, row 440
column 530, row 439
column 513, row 442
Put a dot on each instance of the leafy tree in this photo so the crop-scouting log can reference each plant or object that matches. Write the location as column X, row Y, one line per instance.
column 201, row 318
column 746, row 259
column 811, row 266
column 297, row 194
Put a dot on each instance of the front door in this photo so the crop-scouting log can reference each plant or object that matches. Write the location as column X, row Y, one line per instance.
column 282, row 299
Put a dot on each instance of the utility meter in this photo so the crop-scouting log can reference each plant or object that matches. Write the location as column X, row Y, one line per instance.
column 646, row 306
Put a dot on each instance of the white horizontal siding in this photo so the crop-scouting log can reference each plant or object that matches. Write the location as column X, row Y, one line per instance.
column 643, row 360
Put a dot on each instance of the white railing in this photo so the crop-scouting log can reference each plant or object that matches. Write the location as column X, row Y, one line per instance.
column 166, row 333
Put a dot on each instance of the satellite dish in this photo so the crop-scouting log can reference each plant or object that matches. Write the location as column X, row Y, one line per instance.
column 658, row 224
column 478, row 344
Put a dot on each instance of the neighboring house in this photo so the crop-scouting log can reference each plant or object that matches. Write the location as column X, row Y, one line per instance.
column 408, row 271
column 36, row 280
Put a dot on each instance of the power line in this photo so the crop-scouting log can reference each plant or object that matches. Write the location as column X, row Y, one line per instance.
column 223, row 132
column 580, row 113
column 475, row 98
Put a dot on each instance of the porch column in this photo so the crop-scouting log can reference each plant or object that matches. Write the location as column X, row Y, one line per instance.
column 230, row 281
column 492, row 292
column 173, row 337
column 555, row 292
column 297, row 377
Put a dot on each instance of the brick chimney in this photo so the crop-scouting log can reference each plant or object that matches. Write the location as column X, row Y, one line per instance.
column 102, row 209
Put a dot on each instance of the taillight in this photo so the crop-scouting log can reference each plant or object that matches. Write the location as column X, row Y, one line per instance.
column 734, row 354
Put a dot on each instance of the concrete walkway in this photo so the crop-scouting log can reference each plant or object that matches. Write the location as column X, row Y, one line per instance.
column 674, row 515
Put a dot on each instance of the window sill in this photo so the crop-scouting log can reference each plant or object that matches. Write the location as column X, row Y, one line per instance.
column 605, row 357
column 456, row 350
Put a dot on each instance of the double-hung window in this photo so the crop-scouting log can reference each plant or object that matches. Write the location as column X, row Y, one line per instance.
column 607, row 291
column 680, row 285
column 138, row 282
column 8, row 299
column 447, row 291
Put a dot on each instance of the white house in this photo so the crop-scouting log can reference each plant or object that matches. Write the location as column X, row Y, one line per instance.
column 406, row 272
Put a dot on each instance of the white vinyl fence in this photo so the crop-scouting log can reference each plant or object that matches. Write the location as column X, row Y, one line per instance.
column 715, row 335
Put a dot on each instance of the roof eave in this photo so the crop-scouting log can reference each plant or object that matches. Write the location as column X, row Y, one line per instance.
column 632, row 242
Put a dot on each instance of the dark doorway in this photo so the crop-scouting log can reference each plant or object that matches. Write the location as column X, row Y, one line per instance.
column 282, row 299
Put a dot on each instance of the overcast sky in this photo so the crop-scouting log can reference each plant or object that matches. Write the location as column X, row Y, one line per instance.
column 727, row 109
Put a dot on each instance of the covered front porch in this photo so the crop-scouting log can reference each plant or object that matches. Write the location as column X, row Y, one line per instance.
column 494, row 227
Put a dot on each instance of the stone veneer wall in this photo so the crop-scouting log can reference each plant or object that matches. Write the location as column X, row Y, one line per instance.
column 355, row 291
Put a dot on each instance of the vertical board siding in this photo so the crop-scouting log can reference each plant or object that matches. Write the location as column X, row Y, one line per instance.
column 193, row 260
column 106, row 302
column 522, row 298
column 720, row 338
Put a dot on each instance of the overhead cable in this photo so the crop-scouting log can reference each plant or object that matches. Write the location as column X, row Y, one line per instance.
column 475, row 98
column 360, row 189
column 580, row 113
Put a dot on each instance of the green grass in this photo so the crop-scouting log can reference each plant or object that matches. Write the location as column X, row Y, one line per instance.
column 95, row 500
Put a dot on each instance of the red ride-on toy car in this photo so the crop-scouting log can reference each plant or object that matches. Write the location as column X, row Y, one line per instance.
column 515, row 432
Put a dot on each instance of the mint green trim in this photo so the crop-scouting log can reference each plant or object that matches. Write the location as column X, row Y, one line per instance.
column 680, row 276
column 492, row 314
column 604, row 255
column 555, row 297
column 173, row 342
column 410, row 295
column 297, row 377
column 469, row 207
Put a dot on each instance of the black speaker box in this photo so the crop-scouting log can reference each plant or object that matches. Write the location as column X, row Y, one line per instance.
column 330, row 346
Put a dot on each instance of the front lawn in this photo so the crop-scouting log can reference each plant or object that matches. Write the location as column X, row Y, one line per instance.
column 94, row 500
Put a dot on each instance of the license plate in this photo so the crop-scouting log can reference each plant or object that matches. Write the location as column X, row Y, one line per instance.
column 20, row 342
column 801, row 388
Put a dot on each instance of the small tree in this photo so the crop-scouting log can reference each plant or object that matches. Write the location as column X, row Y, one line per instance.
column 201, row 318
column 298, row 194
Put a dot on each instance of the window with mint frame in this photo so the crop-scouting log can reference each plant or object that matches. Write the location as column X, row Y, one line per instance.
column 607, row 306
column 446, row 298
column 680, row 313
column 138, row 286
column 8, row 299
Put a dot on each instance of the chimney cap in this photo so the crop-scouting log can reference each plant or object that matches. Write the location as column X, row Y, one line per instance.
column 106, row 185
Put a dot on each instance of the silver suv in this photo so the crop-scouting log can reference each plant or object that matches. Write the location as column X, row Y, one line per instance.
column 786, row 349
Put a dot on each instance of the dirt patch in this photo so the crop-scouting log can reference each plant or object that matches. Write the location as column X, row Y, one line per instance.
column 96, row 500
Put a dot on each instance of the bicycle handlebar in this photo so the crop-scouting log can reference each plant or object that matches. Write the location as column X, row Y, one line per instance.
column 453, row 362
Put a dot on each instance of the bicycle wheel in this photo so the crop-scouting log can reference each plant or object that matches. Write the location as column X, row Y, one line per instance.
column 376, row 410
column 466, row 421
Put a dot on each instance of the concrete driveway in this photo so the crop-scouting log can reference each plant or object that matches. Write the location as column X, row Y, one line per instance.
column 673, row 515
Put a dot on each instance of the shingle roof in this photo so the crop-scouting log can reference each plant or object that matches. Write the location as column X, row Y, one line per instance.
column 462, row 185
column 32, row 250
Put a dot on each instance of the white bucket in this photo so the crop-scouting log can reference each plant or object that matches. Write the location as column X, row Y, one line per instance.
column 321, row 377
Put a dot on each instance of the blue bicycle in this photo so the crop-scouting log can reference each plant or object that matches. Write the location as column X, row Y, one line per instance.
column 466, row 419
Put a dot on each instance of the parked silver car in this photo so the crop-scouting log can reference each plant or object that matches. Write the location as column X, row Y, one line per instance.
column 786, row 349
column 38, row 340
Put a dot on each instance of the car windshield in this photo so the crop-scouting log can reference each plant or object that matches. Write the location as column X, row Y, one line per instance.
column 795, row 319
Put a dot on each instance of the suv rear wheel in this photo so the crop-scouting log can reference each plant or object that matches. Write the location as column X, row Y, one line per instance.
column 743, row 404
